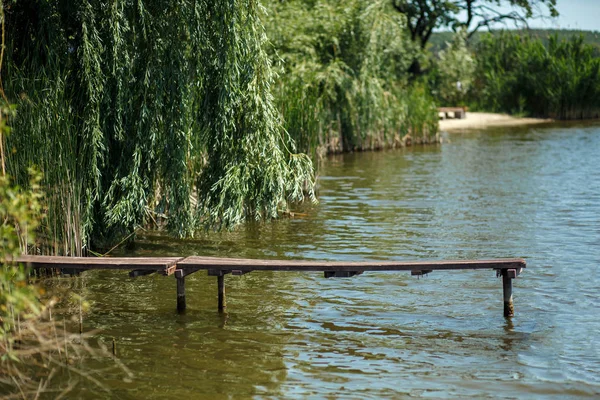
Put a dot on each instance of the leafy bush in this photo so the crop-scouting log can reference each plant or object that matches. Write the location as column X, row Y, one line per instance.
column 342, row 83
column 455, row 69
column 19, row 211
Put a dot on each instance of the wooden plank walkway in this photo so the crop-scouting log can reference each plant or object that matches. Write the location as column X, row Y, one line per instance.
column 161, row 264
column 508, row 268
column 302, row 265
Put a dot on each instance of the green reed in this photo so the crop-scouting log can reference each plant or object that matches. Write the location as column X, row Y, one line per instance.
column 519, row 74
column 342, row 82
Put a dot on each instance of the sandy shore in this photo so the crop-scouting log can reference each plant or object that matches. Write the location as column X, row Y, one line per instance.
column 478, row 120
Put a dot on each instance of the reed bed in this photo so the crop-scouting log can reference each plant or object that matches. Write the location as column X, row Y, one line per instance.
column 519, row 74
column 342, row 82
column 39, row 356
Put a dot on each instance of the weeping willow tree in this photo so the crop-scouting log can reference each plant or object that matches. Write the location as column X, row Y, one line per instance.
column 134, row 107
column 342, row 83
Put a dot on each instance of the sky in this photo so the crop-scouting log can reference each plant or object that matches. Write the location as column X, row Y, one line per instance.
column 574, row 14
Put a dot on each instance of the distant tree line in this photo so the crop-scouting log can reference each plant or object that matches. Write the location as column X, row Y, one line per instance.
column 521, row 74
column 425, row 16
column 439, row 40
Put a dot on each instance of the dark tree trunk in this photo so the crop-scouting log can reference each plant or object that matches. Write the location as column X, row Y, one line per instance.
column 415, row 68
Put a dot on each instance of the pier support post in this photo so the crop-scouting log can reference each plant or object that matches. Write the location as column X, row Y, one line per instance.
column 180, row 292
column 221, row 288
column 507, row 278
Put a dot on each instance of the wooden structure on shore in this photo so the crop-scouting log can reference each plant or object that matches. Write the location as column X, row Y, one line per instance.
column 457, row 112
column 181, row 267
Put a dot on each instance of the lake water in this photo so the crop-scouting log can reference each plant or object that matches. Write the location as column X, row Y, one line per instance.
column 526, row 192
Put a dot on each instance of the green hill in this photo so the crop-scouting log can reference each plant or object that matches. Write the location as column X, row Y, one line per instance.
column 439, row 39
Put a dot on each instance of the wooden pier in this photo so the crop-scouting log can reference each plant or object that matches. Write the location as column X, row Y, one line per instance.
column 181, row 267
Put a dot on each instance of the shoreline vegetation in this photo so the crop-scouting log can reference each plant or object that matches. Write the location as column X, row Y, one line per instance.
column 523, row 75
column 152, row 109
column 144, row 109
column 342, row 81
column 150, row 115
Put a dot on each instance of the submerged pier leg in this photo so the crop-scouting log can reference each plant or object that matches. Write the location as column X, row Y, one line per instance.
column 180, row 291
column 507, row 278
column 221, row 288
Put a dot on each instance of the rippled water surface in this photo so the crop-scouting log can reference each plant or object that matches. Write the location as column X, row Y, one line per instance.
column 532, row 193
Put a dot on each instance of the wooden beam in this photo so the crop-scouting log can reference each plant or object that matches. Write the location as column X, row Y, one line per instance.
column 69, row 271
column 181, row 294
column 240, row 272
column 140, row 272
column 223, row 265
column 86, row 263
column 420, row 272
column 181, row 273
column 341, row 274
column 221, row 293
column 509, row 309
column 217, row 272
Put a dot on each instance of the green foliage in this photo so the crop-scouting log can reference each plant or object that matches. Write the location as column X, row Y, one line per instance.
column 423, row 16
column 455, row 67
column 420, row 114
column 519, row 74
column 259, row 167
column 19, row 211
column 19, row 305
column 471, row 15
column 342, row 83
column 131, row 107
column 34, row 349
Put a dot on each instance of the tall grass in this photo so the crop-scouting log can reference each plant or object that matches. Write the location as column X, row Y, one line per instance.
column 342, row 82
column 38, row 357
column 518, row 74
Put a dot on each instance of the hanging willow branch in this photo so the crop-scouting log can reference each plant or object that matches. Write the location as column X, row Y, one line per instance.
column 249, row 171
column 127, row 106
